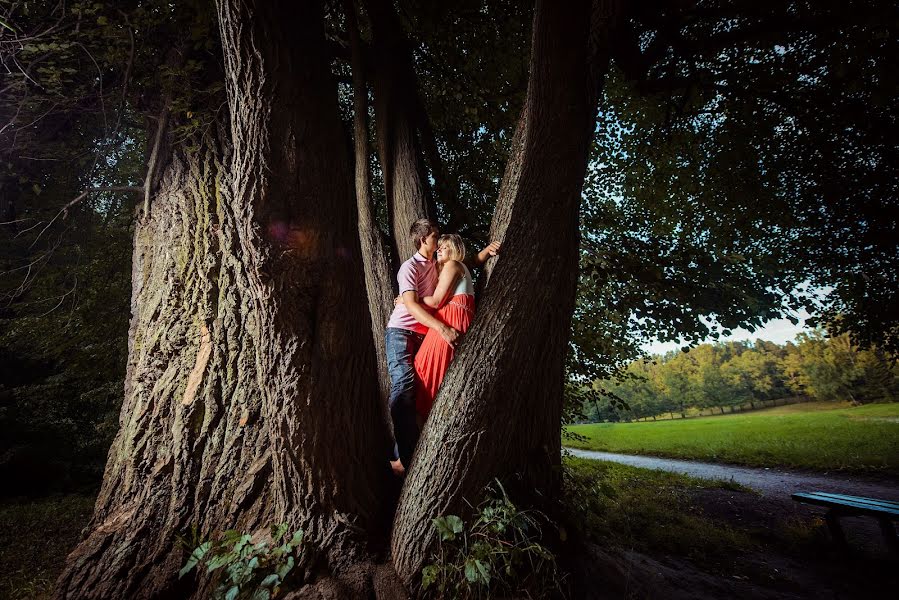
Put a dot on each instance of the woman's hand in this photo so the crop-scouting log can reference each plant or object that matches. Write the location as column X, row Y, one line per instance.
column 492, row 249
column 398, row 300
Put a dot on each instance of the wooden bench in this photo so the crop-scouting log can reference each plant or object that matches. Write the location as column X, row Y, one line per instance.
column 840, row 505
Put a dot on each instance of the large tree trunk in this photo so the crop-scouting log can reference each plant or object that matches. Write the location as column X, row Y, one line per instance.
column 187, row 451
column 249, row 399
column 375, row 253
column 498, row 413
column 292, row 182
column 605, row 16
column 396, row 113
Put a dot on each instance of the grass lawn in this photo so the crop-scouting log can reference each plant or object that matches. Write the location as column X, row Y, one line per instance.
column 712, row 534
column 649, row 510
column 818, row 436
column 35, row 537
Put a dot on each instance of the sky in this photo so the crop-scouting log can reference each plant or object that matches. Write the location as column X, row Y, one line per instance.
column 778, row 331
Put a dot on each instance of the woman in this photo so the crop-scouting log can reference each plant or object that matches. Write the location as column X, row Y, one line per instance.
column 454, row 299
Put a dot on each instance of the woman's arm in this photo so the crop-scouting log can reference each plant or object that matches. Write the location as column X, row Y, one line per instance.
column 484, row 255
column 449, row 277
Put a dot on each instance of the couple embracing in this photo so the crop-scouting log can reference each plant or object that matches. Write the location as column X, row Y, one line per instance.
column 435, row 306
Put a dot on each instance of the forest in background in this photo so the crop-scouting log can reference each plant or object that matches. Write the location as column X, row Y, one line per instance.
column 729, row 376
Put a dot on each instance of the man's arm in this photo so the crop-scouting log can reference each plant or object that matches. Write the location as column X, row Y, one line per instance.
column 421, row 314
column 484, row 255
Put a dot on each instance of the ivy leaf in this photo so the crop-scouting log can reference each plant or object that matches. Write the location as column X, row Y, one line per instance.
column 279, row 531
column 219, row 561
column 195, row 557
column 232, row 593
column 284, row 569
column 297, row 538
column 448, row 527
column 270, row 581
column 244, row 539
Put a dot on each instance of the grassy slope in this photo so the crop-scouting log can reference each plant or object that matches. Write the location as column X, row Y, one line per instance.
column 648, row 510
column 821, row 436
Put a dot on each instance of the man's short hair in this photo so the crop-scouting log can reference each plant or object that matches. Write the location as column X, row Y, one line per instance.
column 421, row 229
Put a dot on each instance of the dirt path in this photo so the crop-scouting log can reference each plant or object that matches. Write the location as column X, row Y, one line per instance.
column 773, row 483
column 791, row 555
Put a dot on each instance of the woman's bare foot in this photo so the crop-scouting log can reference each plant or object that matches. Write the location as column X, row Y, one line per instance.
column 398, row 469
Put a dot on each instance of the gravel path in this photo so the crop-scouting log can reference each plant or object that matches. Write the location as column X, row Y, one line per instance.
column 773, row 483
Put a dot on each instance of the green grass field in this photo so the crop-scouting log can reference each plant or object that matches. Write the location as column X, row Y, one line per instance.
column 818, row 436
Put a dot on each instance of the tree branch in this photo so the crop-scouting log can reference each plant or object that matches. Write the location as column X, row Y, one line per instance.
column 64, row 211
column 161, row 128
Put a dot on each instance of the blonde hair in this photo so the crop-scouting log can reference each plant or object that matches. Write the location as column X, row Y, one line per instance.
column 456, row 245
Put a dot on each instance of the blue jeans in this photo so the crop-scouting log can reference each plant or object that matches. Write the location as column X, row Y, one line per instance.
column 402, row 345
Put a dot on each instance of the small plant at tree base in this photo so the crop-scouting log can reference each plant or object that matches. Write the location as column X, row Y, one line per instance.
column 251, row 571
column 499, row 553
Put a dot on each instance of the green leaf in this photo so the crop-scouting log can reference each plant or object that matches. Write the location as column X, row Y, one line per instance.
column 261, row 594
column 270, row 581
column 244, row 539
column 195, row 557
column 471, row 571
column 448, row 527
column 252, row 564
column 484, row 571
column 36, row 189
column 219, row 561
column 232, row 592
column 284, row 569
column 279, row 531
column 297, row 538
column 429, row 576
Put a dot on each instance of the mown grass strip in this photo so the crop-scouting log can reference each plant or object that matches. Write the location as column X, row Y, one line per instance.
column 855, row 439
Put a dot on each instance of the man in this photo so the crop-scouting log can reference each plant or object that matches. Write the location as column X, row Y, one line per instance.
column 406, row 330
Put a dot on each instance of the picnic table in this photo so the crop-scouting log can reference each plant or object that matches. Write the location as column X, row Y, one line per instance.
column 841, row 505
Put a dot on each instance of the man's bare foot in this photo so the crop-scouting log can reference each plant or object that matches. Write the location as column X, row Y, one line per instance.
column 398, row 469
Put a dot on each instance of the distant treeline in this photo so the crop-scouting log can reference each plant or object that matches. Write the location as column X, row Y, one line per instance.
column 735, row 374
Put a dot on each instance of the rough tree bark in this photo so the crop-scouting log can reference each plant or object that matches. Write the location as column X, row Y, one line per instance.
column 605, row 17
column 185, row 435
column 249, row 400
column 375, row 253
column 498, row 413
column 396, row 114
column 291, row 178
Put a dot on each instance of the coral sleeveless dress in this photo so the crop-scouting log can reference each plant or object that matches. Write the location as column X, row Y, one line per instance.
column 435, row 355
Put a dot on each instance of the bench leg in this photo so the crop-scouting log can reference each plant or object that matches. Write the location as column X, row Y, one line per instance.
column 833, row 524
column 889, row 534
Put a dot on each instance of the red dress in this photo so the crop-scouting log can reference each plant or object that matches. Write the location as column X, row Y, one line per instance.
column 435, row 355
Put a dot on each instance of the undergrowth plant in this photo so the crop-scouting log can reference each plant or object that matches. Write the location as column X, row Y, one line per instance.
column 250, row 571
column 499, row 553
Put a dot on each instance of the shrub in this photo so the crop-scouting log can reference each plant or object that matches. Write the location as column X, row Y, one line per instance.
column 251, row 571
column 498, row 554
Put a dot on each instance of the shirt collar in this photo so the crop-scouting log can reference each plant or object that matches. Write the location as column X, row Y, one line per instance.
column 419, row 258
